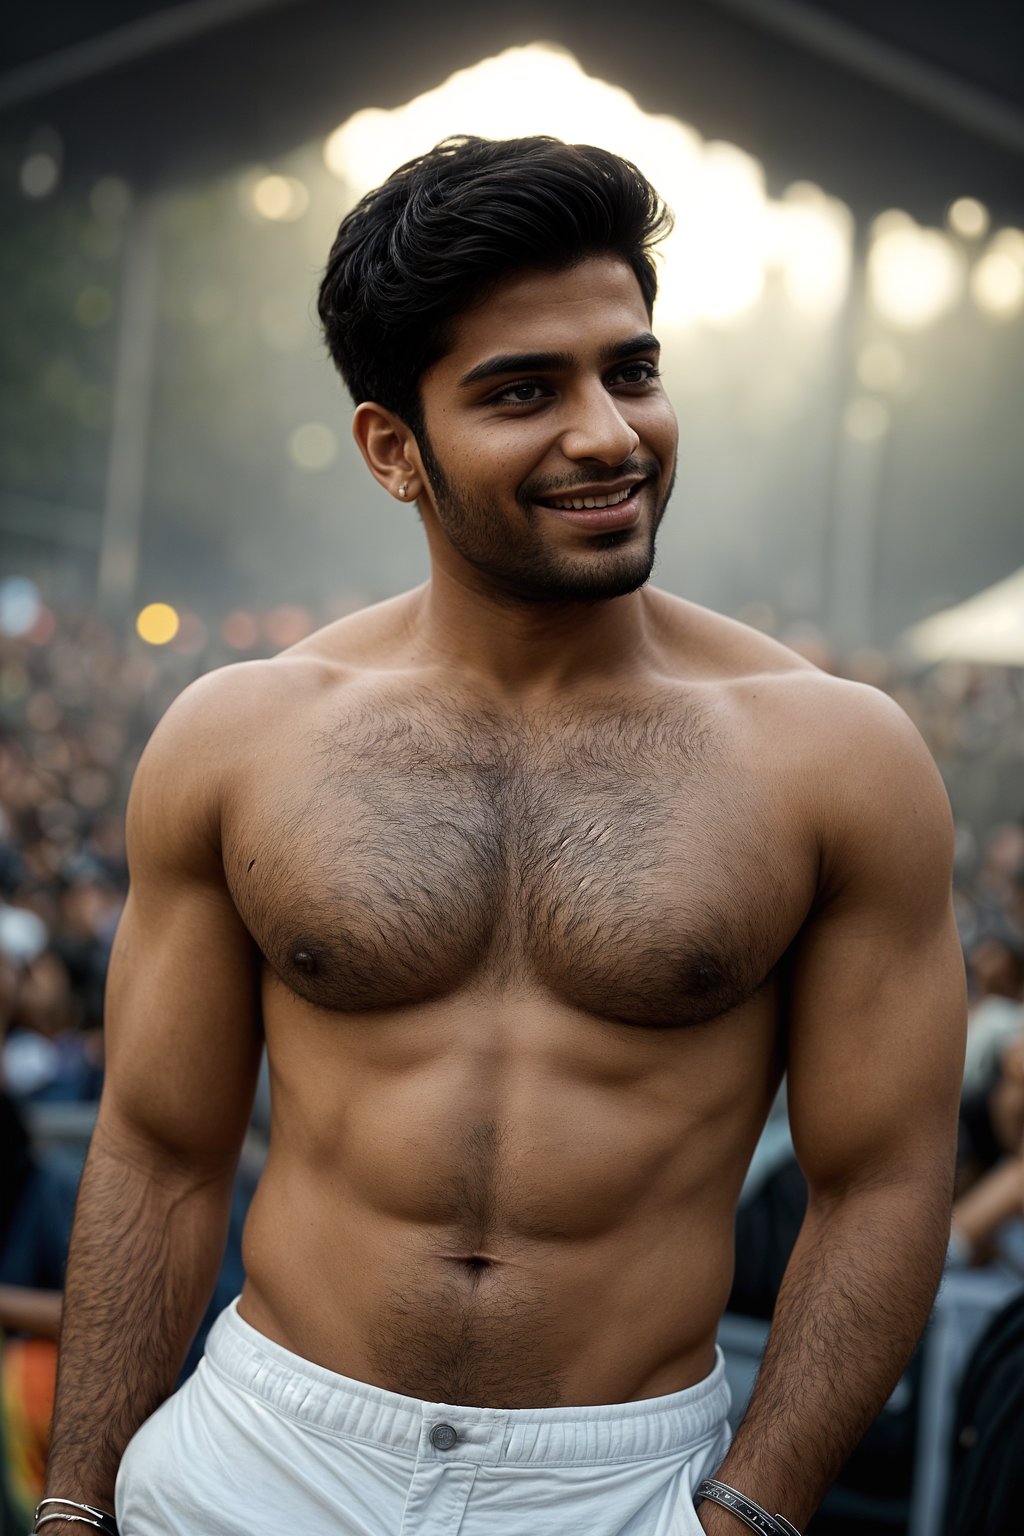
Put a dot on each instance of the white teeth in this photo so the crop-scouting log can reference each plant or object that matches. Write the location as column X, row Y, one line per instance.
column 578, row 503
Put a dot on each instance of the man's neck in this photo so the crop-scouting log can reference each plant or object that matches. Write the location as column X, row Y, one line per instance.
column 531, row 650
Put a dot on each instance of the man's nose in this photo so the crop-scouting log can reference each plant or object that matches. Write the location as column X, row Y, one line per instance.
column 598, row 430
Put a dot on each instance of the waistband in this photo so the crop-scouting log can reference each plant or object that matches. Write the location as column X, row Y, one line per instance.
column 335, row 1404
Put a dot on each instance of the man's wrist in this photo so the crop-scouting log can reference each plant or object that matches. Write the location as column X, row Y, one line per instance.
column 57, row 1513
column 745, row 1510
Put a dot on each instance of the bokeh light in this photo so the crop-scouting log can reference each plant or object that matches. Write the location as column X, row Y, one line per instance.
column 915, row 275
column 313, row 447
column 157, row 624
column 39, row 174
column 891, row 219
column 997, row 285
column 1011, row 241
column 813, row 248
column 288, row 624
column 240, row 630
column 282, row 199
column 968, row 218
column 20, row 606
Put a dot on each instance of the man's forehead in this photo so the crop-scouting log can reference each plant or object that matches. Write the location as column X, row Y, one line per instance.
column 590, row 305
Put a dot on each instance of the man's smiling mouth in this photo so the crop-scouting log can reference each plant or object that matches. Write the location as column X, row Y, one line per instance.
column 589, row 499
column 578, row 503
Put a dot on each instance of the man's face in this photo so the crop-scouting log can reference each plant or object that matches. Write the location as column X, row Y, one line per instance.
column 549, row 394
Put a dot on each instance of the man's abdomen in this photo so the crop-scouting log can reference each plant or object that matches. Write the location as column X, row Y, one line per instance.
column 501, row 1200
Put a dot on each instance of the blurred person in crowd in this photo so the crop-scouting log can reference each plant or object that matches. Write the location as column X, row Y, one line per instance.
column 37, row 1196
column 995, row 969
column 997, row 1194
column 1015, row 902
column 534, row 879
column 997, row 882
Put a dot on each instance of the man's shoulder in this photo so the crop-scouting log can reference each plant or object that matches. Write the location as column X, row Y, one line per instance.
column 782, row 688
column 710, row 644
column 248, row 701
column 229, row 705
column 843, row 752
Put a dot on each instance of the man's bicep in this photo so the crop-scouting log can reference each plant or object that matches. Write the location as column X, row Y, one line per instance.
column 876, row 1001
column 182, row 1019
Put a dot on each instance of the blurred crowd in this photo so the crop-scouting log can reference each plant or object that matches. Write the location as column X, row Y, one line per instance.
column 79, row 699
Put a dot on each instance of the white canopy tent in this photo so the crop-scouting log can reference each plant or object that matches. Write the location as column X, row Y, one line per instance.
column 987, row 628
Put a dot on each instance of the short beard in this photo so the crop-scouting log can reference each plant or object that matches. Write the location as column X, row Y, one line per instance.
column 523, row 569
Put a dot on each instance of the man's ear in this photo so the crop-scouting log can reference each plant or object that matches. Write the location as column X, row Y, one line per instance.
column 390, row 451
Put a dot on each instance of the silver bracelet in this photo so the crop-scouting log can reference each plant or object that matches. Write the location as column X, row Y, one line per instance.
column 744, row 1509
column 99, row 1519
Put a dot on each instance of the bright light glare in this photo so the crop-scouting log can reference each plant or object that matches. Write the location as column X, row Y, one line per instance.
column 157, row 623
column 968, row 218
column 280, row 198
column 536, row 89
column 892, row 218
column 313, row 447
column 915, row 275
column 712, row 266
column 813, row 248
column 714, row 259
column 997, row 285
column 1011, row 241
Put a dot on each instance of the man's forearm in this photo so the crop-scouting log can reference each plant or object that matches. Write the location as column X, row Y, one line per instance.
column 147, row 1243
column 853, row 1301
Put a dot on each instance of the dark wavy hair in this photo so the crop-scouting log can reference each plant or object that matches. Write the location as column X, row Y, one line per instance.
column 445, row 228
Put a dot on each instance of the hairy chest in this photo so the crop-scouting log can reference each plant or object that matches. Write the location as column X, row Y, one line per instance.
column 626, row 863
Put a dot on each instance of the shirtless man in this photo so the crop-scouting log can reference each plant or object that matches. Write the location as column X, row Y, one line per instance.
column 534, row 880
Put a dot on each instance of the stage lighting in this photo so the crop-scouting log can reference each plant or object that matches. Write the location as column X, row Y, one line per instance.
column 157, row 623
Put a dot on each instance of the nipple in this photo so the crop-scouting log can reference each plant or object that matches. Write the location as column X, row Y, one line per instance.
column 304, row 960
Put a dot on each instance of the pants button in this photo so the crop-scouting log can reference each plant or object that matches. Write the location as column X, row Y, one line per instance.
column 443, row 1437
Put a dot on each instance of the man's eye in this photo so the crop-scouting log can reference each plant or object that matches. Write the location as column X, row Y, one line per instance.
column 526, row 393
column 637, row 373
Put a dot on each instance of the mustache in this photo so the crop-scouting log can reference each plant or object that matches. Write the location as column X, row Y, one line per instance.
column 639, row 469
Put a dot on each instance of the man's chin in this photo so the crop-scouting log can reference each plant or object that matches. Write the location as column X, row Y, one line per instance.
column 588, row 582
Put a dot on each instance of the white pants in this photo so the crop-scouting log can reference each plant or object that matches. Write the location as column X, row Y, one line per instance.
column 260, row 1442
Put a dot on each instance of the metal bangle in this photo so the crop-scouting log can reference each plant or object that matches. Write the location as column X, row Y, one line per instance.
column 97, row 1525
column 744, row 1509
column 99, row 1519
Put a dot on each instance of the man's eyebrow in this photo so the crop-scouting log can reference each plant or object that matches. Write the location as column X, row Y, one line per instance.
column 550, row 362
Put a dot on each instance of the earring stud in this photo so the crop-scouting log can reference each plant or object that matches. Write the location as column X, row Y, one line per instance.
column 403, row 487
